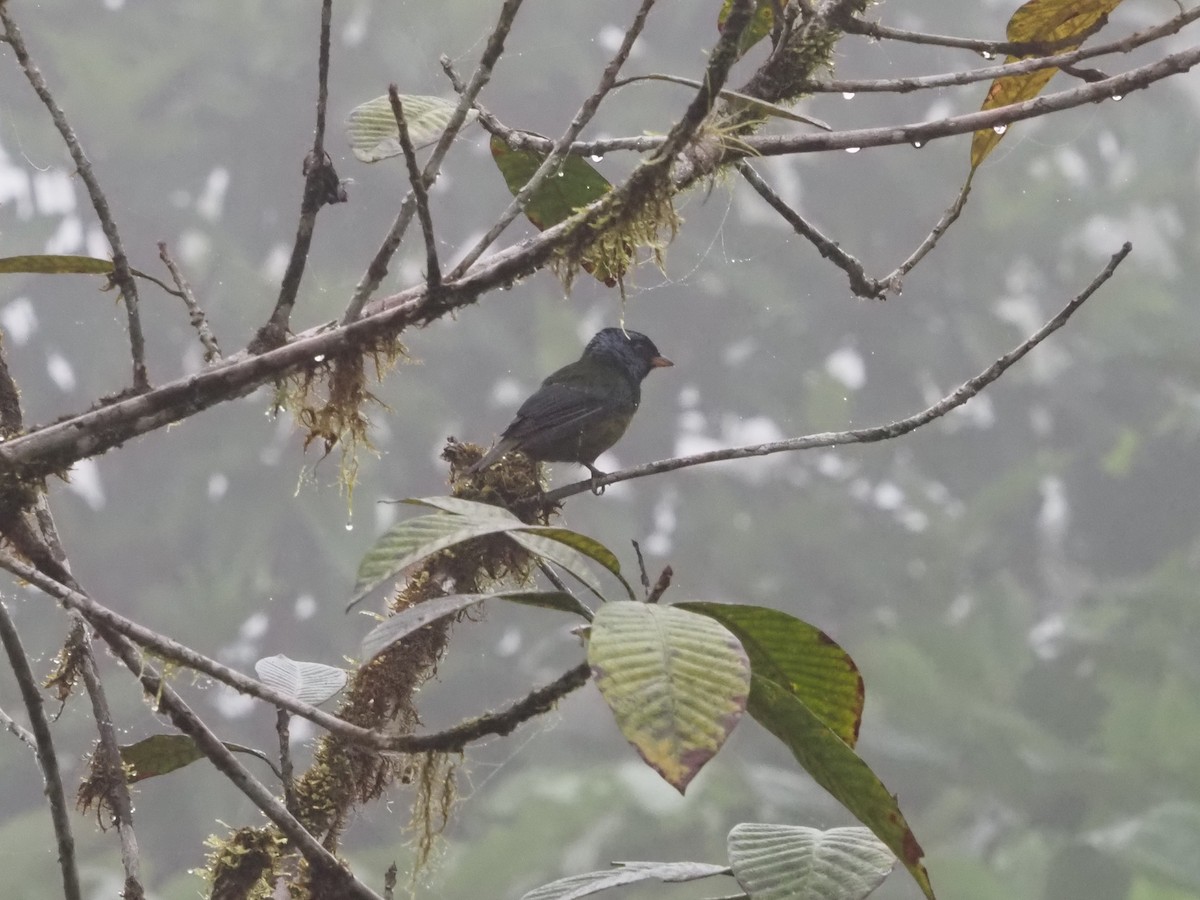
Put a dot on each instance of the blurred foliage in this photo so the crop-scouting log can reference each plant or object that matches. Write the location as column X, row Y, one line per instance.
column 1017, row 582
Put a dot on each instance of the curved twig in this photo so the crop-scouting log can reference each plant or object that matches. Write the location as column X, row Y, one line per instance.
column 961, row 394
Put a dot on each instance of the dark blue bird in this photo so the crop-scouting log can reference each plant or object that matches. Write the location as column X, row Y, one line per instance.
column 582, row 409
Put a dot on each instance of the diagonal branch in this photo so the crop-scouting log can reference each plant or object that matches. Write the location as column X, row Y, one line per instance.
column 551, row 162
column 922, row 132
column 199, row 321
column 964, row 392
column 46, row 756
column 433, row 272
column 321, row 187
column 996, row 48
column 860, row 282
column 111, row 625
column 108, row 765
column 378, row 267
column 1020, row 67
column 121, row 271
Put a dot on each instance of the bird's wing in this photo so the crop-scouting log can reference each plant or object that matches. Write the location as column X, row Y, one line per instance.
column 560, row 408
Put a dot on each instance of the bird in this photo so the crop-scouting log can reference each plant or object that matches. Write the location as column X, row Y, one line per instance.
column 583, row 408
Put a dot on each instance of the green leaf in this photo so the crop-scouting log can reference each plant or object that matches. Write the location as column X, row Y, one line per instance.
column 758, row 28
column 786, row 862
column 1038, row 21
column 412, row 540
column 55, row 265
column 556, row 600
column 552, row 551
column 571, row 550
column 572, row 187
column 1161, row 841
column 373, row 133
column 160, row 754
column 404, row 623
column 798, row 658
column 676, row 682
column 574, row 886
column 310, row 682
column 470, row 509
column 837, row 768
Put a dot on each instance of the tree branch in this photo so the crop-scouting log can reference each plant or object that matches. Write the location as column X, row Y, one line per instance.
column 860, row 283
column 958, row 397
column 378, row 267
column 111, row 625
column 433, row 272
column 46, row 756
column 321, row 186
column 996, row 48
column 922, row 132
column 121, row 272
column 212, row 350
column 108, row 765
column 551, row 162
column 1020, row 67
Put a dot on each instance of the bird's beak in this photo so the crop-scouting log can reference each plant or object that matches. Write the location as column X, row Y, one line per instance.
column 659, row 362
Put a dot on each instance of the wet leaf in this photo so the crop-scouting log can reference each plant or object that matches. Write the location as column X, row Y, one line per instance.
column 573, row 186
column 835, row 766
column 582, row 885
column 787, row 862
column 310, row 682
column 677, row 683
column 1038, row 21
column 759, row 27
column 55, row 265
column 798, row 658
column 373, row 134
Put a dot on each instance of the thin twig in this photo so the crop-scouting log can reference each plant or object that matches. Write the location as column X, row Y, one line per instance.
column 922, row 132
column 433, row 272
column 321, row 187
column 378, row 267
column 637, row 550
column 860, row 283
column 554, row 159
column 949, row 217
column 1011, row 48
column 23, row 734
column 108, row 765
column 1021, row 67
column 956, row 398
column 212, row 350
column 47, row 759
column 121, row 272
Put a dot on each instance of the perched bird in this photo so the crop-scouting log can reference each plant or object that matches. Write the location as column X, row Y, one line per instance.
column 583, row 408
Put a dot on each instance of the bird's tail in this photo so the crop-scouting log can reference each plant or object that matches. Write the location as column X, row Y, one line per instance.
column 502, row 447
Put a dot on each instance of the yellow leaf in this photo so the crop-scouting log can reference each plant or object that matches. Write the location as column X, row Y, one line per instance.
column 1064, row 24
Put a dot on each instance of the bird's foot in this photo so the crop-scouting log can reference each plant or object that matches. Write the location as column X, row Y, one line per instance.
column 597, row 489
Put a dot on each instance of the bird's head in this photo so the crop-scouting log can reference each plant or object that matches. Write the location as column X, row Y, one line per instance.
column 632, row 350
